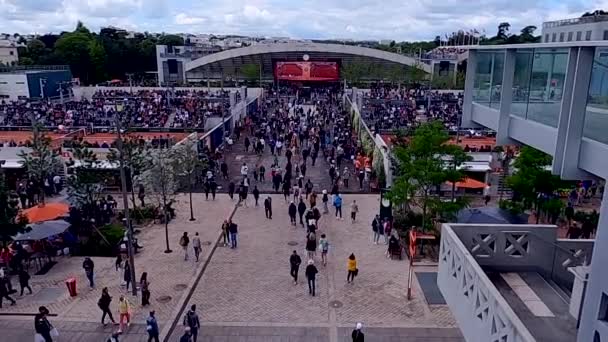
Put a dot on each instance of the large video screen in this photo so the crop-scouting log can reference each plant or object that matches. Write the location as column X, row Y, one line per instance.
column 307, row 71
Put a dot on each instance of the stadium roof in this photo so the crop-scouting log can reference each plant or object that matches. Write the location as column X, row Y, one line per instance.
column 265, row 54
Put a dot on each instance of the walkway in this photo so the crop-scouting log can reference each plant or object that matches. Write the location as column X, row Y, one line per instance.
column 251, row 286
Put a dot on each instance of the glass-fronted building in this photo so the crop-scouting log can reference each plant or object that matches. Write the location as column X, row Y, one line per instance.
column 553, row 97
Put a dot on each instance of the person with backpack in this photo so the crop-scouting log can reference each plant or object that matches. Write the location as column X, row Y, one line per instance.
column 42, row 326
column 325, row 199
column 104, row 305
column 294, row 262
column 191, row 321
column 184, row 241
column 338, row 206
column 301, row 210
column 152, row 327
column 357, row 335
column 24, row 281
column 324, row 248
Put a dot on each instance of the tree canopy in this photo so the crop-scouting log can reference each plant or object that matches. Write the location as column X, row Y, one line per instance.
column 11, row 223
column 424, row 163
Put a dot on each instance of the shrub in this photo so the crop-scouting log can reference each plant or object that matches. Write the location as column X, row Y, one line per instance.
column 95, row 245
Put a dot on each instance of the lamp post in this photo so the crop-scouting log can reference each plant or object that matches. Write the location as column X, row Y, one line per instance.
column 123, row 180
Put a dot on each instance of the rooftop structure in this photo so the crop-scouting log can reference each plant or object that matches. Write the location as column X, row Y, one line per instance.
column 588, row 28
column 551, row 96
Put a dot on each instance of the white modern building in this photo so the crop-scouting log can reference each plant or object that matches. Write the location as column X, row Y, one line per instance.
column 553, row 97
column 8, row 53
column 590, row 28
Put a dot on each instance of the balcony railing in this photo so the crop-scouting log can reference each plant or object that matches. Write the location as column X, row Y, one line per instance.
column 480, row 310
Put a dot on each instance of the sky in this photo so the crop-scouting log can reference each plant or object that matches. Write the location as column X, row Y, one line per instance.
column 400, row 20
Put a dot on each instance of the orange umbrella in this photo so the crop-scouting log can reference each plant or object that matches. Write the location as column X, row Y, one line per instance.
column 50, row 211
column 469, row 183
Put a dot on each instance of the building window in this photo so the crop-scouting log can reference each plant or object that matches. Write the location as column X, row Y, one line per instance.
column 606, row 35
column 603, row 312
column 553, row 37
column 570, row 36
column 588, row 35
column 579, row 34
column 3, row 82
column 11, row 53
column 19, row 82
column 546, row 38
column 561, row 37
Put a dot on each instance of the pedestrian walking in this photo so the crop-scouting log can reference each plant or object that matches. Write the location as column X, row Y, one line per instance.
column 24, row 281
column 268, row 207
column 357, row 334
column 324, row 248
column 325, row 199
column 213, row 185
column 191, row 321
column 261, row 174
column 144, row 285
column 113, row 337
column 44, row 330
column 292, row 210
column 387, row 230
column 311, row 245
column 184, row 241
column 311, row 275
column 152, row 327
column 256, row 194
column 351, row 266
column 301, row 210
column 89, row 266
column 233, row 229
column 354, row 209
column 104, row 304
column 231, row 190
column 124, row 313
column 345, row 176
column 118, row 262
column 376, row 227
column 196, row 245
column 5, row 291
column 294, row 262
column 127, row 274
column 338, row 206
column 226, row 232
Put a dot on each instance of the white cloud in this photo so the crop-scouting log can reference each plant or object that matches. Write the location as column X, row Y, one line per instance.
column 357, row 19
column 184, row 19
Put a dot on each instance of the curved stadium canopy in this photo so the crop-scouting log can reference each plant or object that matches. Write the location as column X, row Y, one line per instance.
column 230, row 61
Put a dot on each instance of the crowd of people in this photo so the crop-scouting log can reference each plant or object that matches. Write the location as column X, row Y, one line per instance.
column 145, row 108
column 388, row 107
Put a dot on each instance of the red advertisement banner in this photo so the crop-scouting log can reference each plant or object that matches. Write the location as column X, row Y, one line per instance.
column 307, row 71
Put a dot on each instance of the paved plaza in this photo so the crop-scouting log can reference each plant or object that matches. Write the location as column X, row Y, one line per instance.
column 247, row 294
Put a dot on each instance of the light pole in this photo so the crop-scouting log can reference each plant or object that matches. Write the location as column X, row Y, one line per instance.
column 123, row 180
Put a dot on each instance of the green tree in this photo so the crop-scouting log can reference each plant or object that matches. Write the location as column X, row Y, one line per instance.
column 98, row 56
column 136, row 160
column 416, row 74
column 171, row 40
column 86, row 184
column 25, row 60
column 35, row 49
column 422, row 167
column 41, row 162
column 74, row 49
column 11, row 222
column 531, row 177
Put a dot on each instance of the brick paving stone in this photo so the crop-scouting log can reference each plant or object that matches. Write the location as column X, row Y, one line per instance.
column 251, row 284
column 164, row 270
